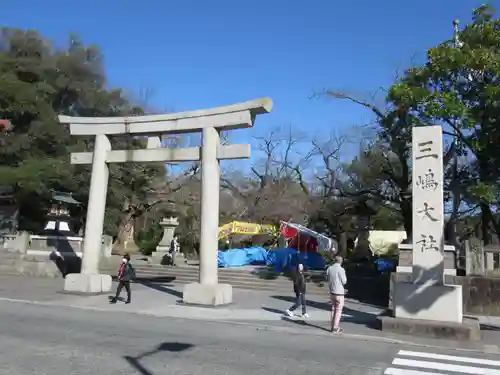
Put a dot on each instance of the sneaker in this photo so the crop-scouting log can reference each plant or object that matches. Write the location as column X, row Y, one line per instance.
column 305, row 316
column 337, row 330
column 289, row 313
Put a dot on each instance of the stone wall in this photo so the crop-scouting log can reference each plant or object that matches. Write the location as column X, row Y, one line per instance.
column 56, row 244
column 16, row 263
column 406, row 257
column 481, row 295
column 44, row 256
column 6, row 240
column 36, row 265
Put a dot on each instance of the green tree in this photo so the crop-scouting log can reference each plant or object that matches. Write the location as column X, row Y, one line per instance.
column 37, row 83
column 381, row 173
column 459, row 88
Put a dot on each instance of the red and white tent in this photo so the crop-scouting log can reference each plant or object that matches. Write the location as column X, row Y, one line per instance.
column 304, row 239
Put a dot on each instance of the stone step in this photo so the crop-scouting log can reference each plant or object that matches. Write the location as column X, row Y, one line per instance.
column 178, row 271
column 8, row 269
column 241, row 279
column 265, row 276
column 235, row 269
column 9, row 253
column 187, row 268
column 10, row 258
column 9, row 261
column 261, row 272
column 249, row 280
column 194, row 276
column 4, row 250
column 271, row 287
column 113, row 263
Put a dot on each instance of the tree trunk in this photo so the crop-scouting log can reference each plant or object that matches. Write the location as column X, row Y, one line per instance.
column 488, row 217
column 124, row 237
column 485, row 223
column 342, row 243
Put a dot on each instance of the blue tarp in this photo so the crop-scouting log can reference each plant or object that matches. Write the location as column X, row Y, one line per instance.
column 384, row 265
column 241, row 257
column 285, row 259
column 312, row 261
column 280, row 259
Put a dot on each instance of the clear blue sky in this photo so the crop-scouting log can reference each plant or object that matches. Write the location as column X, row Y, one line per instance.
column 197, row 53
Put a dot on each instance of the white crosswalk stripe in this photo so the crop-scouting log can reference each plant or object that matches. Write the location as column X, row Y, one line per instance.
column 419, row 363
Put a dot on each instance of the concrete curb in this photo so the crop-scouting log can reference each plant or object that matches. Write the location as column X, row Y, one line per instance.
column 491, row 349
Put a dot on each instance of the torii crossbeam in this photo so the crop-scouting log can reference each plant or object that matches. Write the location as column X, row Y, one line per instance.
column 207, row 121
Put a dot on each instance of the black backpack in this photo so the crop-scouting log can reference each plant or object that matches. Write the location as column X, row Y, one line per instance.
column 132, row 271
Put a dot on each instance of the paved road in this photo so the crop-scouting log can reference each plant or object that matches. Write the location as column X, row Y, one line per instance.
column 258, row 308
column 37, row 339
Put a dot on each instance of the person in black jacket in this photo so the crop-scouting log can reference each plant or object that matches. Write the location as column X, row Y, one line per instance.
column 299, row 287
column 125, row 274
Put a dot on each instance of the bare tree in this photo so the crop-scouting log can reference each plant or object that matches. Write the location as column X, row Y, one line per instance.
column 329, row 168
column 143, row 209
column 382, row 171
column 276, row 188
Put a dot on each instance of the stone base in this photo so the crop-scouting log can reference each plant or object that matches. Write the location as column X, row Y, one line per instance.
column 409, row 269
column 441, row 303
column 467, row 330
column 179, row 259
column 162, row 258
column 207, row 295
column 80, row 283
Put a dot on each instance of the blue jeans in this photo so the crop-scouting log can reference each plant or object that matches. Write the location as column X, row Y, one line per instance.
column 300, row 300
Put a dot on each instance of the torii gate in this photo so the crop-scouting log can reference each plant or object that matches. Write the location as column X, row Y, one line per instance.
column 208, row 121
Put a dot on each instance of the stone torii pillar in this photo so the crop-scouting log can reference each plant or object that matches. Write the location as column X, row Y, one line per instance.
column 210, row 185
column 209, row 122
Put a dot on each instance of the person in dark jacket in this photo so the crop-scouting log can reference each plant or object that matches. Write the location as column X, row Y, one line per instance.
column 125, row 274
column 299, row 287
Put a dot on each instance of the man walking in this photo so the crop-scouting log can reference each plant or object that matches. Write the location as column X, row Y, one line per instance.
column 125, row 274
column 336, row 281
column 299, row 287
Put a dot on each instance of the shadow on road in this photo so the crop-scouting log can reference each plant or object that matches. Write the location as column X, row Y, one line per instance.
column 489, row 327
column 65, row 258
column 173, row 347
column 297, row 320
column 305, row 323
column 349, row 315
column 161, row 288
column 272, row 310
column 315, row 305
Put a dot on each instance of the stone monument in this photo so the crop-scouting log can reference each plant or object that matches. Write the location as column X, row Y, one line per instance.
column 163, row 253
column 427, row 297
column 474, row 257
column 209, row 122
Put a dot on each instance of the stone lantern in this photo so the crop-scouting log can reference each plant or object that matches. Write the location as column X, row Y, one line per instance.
column 168, row 250
column 58, row 218
column 164, row 253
